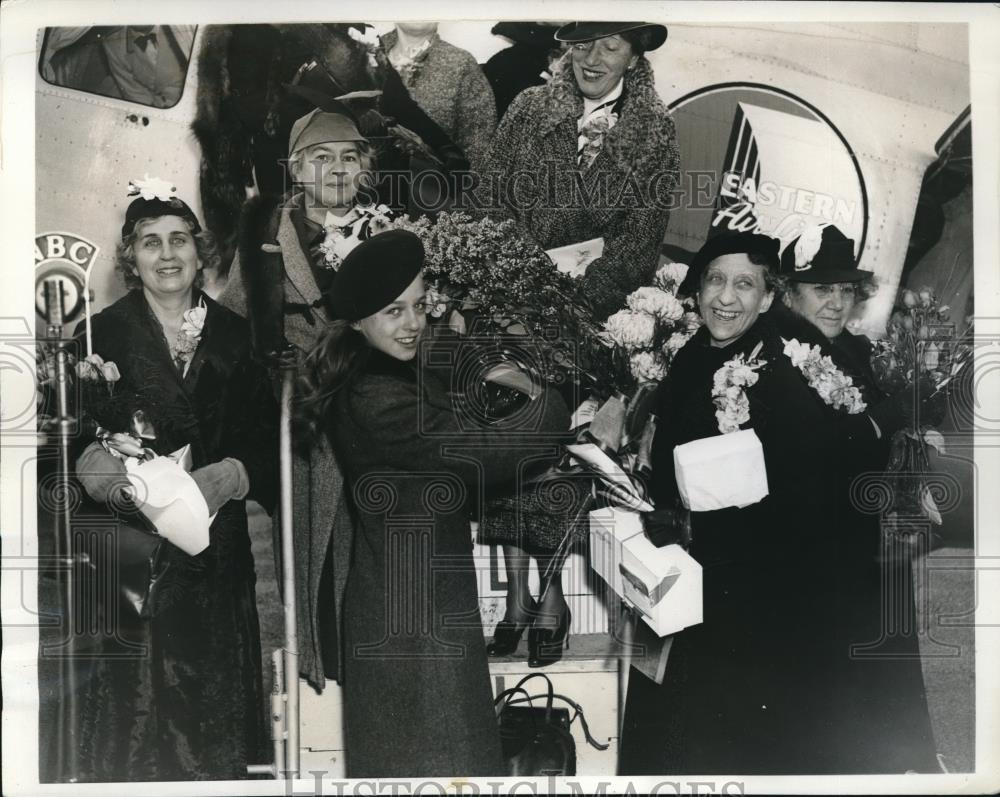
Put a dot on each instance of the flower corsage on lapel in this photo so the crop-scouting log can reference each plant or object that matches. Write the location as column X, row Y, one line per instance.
column 190, row 335
column 732, row 407
column 833, row 386
column 341, row 239
column 592, row 133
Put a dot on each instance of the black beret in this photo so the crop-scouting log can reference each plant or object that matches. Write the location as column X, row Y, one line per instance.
column 737, row 243
column 833, row 260
column 375, row 273
column 153, row 209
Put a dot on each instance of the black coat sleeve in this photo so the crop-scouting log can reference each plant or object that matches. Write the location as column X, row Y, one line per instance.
column 413, row 428
column 251, row 433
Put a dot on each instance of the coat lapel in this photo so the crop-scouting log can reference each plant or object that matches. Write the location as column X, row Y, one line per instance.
column 295, row 260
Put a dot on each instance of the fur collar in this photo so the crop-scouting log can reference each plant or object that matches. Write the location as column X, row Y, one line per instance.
column 644, row 129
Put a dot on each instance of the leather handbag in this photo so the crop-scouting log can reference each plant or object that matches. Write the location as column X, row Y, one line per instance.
column 536, row 740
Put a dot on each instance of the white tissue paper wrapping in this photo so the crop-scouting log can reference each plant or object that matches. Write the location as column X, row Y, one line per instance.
column 573, row 259
column 169, row 499
column 663, row 584
column 719, row 472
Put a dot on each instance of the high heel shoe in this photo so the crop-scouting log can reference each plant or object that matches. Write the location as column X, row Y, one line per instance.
column 546, row 645
column 507, row 635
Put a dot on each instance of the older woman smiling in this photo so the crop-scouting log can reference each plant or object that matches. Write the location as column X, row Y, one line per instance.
column 768, row 683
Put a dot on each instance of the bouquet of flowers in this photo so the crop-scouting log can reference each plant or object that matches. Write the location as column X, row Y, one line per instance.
column 639, row 343
column 483, row 273
column 91, row 380
column 921, row 354
column 650, row 330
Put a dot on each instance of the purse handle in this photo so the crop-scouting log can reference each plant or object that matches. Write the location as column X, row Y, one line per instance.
column 578, row 709
column 548, row 698
column 578, row 712
column 508, row 693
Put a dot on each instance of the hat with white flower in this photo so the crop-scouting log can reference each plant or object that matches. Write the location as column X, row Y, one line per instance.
column 155, row 198
column 821, row 254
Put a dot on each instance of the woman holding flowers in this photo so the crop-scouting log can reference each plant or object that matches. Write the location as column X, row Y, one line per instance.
column 770, row 682
column 417, row 699
column 586, row 166
column 177, row 695
column 593, row 155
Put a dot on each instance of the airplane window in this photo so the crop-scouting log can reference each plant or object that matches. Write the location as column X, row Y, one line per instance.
column 145, row 64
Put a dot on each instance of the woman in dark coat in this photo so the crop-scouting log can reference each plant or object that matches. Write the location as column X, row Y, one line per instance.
column 769, row 682
column 187, row 704
column 824, row 287
column 591, row 155
column 417, row 697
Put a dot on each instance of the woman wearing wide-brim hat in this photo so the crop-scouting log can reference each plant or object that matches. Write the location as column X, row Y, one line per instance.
column 600, row 126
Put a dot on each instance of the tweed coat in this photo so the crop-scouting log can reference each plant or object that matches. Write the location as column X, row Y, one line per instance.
column 452, row 89
column 623, row 196
column 783, row 676
column 270, row 277
column 417, row 697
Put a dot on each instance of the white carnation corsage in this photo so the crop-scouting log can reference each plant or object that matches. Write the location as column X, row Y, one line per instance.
column 833, row 386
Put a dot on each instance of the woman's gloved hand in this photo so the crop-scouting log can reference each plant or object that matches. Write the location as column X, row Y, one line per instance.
column 101, row 474
column 221, row 482
column 668, row 526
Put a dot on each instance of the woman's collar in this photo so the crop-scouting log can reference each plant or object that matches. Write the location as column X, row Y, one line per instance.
column 616, row 92
column 380, row 363
column 760, row 329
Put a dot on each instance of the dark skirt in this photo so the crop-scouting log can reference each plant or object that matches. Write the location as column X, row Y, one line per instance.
column 179, row 696
column 797, row 668
column 540, row 515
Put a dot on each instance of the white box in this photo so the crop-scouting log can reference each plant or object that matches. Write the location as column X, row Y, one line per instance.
column 662, row 584
column 609, row 528
column 719, row 472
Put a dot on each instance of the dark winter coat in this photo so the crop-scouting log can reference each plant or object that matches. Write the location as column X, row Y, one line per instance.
column 417, row 697
column 624, row 196
column 190, row 706
column 782, row 676
column 272, row 284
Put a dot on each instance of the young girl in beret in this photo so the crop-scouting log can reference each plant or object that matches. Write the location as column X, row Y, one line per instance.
column 417, row 697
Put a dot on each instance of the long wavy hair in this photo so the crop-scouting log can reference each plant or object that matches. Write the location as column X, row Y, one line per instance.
column 328, row 368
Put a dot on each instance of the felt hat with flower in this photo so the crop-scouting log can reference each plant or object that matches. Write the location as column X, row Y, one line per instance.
column 821, row 254
column 155, row 198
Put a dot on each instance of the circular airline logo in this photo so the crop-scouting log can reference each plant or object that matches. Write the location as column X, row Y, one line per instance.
column 759, row 159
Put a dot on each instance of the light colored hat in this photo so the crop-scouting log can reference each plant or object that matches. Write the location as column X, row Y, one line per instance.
column 318, row 127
